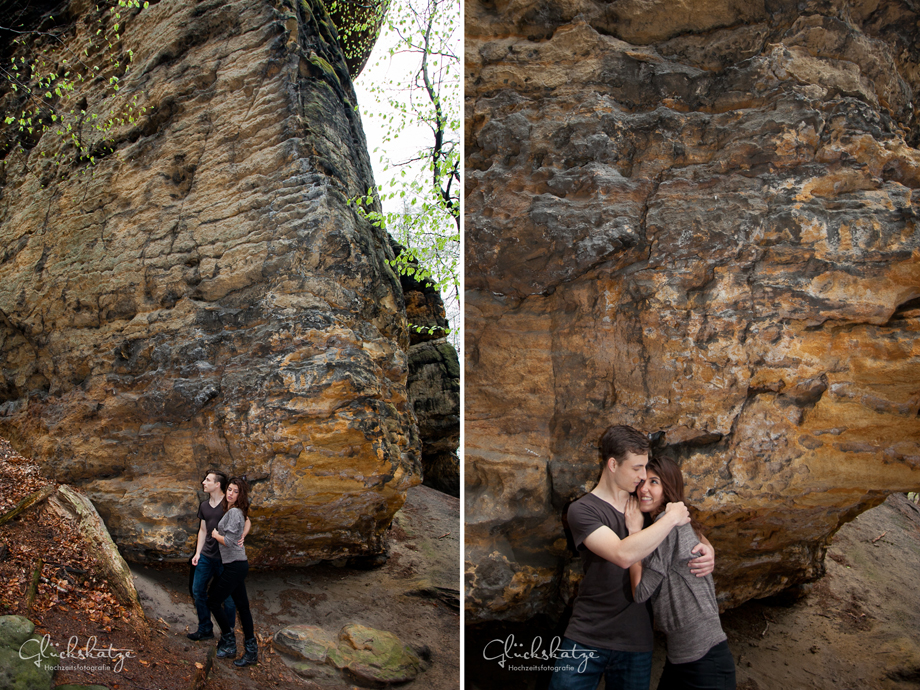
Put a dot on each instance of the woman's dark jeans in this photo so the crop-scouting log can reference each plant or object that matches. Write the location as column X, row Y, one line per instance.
column 232, row 583
column 714, row 671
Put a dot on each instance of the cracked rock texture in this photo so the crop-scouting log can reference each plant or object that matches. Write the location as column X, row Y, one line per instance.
column 700, row 219
column 204, row 296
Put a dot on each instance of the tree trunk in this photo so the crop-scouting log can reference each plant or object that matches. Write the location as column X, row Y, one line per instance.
column 69, row 503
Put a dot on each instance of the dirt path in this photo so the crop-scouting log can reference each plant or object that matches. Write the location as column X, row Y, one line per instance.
column 859, row 626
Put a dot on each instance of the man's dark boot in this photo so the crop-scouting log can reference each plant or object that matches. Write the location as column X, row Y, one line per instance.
column 226, row 646
column 251, row 655
column 201, row 635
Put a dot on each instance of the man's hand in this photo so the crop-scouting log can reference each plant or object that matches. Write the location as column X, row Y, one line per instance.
column 706, row 562
column 634, row 517
column 240, row 542
column 195, row 559
column 677, row 513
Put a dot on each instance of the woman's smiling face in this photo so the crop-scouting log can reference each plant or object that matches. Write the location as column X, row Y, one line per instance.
column 651, row 493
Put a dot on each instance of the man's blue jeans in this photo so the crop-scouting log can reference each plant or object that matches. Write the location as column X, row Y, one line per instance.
column 580, row 667
column 204, row 571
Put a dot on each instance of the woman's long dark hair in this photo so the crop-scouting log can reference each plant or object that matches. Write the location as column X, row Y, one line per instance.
column 672, row 484
column 242, row 501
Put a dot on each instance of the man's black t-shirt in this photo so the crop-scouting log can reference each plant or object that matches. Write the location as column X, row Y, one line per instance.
column 211, row 517
column 604, row 614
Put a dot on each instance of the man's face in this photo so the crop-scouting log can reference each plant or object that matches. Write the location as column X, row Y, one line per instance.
column 210, row 483
column 630, row 472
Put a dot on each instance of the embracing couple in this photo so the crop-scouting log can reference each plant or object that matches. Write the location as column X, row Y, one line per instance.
column 219, row 584
column 626, row 563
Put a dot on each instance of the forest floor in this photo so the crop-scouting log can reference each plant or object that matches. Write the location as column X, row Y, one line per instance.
column 856, row 628
column 415, row 595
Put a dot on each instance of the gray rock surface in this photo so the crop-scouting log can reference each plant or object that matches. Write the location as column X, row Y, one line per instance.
column 434, row 388
column 367, row 656
column 25, row 663
column 434, row 384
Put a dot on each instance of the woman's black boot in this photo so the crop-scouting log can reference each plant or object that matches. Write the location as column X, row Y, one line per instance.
column 251, row 655
column 226, row 646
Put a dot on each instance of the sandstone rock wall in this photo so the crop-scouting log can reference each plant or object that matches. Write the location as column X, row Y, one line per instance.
column 434, row 389
column 434, row 385
column 203, row 296
column 699, row 219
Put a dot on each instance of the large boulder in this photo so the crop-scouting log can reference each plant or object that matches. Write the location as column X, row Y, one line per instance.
column 700, row 220
column 198, row 292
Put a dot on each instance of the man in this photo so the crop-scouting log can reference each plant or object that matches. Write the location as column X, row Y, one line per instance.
column 609, row 634
column 207, row 554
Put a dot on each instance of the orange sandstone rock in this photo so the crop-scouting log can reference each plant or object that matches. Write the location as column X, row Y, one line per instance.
column 703, row 224
column 204, row 296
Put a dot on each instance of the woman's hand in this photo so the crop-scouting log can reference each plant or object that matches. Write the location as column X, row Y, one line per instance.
column 215, row 533
column 634, row 518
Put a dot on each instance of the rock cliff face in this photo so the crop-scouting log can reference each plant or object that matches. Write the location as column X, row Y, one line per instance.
column 203, row 295
column 699, row 219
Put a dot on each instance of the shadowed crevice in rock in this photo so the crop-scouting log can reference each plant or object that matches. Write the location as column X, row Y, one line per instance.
column 434, row 384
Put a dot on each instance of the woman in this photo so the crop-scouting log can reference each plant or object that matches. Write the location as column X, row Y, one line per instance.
column 685, row 605
column 232, row 581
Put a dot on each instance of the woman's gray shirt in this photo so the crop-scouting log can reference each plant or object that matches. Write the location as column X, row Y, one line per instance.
column 684, row 605
column 230, row 528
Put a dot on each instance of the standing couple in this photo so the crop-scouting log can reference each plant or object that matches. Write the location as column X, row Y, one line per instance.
column 669, row 562
column 220, row 559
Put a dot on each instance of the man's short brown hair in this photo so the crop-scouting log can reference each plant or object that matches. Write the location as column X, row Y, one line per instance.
column 619, row 440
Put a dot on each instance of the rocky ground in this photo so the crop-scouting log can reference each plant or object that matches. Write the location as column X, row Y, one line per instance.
column 414, row 595
column 854, row 629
